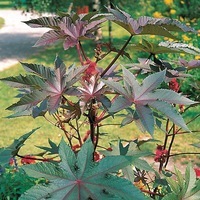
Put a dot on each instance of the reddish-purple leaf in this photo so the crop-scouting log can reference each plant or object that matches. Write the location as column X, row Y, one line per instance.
column 48, row 38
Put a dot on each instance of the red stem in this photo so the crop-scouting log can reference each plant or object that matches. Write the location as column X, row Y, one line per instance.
column 116, row 57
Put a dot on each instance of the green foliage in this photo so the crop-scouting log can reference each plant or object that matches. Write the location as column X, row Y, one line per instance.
column 13, row 183
column 11, row 151
column 143, row 97
column 41, row 6
column 1, row 22
column 78, row 177
column 184, row 187
column 5, row 4
column 164, row 47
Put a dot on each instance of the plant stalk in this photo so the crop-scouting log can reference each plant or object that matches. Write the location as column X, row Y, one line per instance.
column 116, row 57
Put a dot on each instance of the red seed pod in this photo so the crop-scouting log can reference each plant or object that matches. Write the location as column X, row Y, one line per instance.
column 28, row 159
column 174, row 85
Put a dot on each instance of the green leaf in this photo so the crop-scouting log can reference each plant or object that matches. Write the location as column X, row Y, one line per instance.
column 65, row 153
column 128, row 173
column 148, row 25
column 53, row 149
column 184, row 48
column 170, row 112
column 130, row 149
column 24, row 81
column 143, row 165
column 194, row 193
column 82, row 179
column 146, row 116
column 39, row 70
column 171, row 97
column 170, row 196
column 48, row 170
column 116, row 86
column 150, row 83
column 7, row 153
column 196, row 145
column 119, row 104
column 5, row 156
column 28, row 101
column 187, row 187
column 190, row 178
column 174, row 185
column 130, row 81
column 84, row 158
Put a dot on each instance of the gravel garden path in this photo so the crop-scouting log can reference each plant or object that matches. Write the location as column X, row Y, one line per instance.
column 16, row 38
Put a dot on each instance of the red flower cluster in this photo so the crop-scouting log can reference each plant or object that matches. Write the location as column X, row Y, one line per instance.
column 160, row 154
column 11, row 162
column 174, row 85
column 91, row 70
column 75, row 147
column 97, row 156
column 28, row 159
column 109, row 149
column 197, row 171
column 181, row 108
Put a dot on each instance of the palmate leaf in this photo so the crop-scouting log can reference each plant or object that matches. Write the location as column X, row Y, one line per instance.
column 70, row 28
column 148, row 25
column 145, row 96
column 7, row 153
column 78, row 177
column 45, row 86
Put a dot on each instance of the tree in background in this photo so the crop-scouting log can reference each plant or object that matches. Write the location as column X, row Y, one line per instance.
column 182, row 9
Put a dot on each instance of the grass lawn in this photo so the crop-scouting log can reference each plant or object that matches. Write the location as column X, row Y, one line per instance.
column 1, row 22
column 15, row 127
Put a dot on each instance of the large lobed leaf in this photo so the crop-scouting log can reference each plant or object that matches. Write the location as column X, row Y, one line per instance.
column 148, row 25
column 70, row 28
column 78, row 177
column 147, row 95
column 45, row 86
